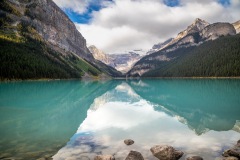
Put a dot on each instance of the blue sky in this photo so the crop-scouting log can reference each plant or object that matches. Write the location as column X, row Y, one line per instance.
column 115, row 26
column 85, row 18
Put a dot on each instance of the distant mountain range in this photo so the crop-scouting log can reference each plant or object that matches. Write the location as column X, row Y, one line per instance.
column 38, row 40
column 120, row 61
column 201, row 50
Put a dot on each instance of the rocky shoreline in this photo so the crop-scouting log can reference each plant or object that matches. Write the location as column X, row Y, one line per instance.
column 166, row 152
column 161, row 152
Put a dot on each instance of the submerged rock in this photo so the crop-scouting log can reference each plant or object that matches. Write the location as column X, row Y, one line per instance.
column 128, row 141
column 194, row 158
column 104, row 157
column 134, row 155
column 165, row 152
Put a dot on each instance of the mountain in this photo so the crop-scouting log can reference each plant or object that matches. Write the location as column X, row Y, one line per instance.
column 237, row 26
column 189, row 36
column 216, row 30
column 120, row 61
column 201, row 50
column 123, row 62
column 159, row 46
column 44, row 43
column 99, row 55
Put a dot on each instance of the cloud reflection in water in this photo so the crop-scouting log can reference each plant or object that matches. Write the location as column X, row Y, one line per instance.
column 121, row 113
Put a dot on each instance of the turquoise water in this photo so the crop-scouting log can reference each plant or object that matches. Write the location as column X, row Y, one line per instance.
column 80, row 119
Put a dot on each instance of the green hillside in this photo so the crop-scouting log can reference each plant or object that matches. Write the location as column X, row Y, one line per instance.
column 32, row 59
column 25, row 55
column 218, row 58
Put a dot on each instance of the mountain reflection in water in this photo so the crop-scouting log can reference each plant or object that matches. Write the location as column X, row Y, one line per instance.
column 199, row 117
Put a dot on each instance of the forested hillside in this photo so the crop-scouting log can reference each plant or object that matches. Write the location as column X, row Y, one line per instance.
column 218, row 58
column 31, row 50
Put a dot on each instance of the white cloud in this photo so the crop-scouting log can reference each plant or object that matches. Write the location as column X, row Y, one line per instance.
column 138, row 24
column 78, row 6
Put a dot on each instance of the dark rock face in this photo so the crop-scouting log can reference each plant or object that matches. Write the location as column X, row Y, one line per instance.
column 134, row 155
column 233, row 152
column 104, row 157
column 194, row 158
column 213, row 31
column 128, row 142
column 164, row 152
column 55, row 27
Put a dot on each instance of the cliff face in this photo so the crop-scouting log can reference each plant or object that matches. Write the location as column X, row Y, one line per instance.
column 213, row 31
column 55, row 27
column 99, row 55
column 41, row 29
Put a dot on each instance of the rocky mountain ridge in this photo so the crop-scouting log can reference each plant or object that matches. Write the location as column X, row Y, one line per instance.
column 197, row 33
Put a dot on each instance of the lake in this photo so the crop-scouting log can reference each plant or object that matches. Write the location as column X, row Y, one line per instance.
column 70, row 120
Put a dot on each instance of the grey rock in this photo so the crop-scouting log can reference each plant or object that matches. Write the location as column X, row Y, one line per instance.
column 128, row 141
column 235, row 152
column 165, row 152
column 194, row 158
column 216, row 30
column 230, row 158
column 134, row 155
column 55, row 27
column 104, row 157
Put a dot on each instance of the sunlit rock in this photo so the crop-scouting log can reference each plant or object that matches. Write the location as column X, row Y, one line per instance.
column 134, row 155
column 165, row 152
column 104, row 157
column 194, row 158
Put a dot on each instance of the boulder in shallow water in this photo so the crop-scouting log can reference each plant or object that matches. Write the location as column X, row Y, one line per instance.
column 128, row 141
column 104, row 157
column 194, row 158
column 134, row 155
column 230, row 158
column 233, row 152
column 165, row 152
